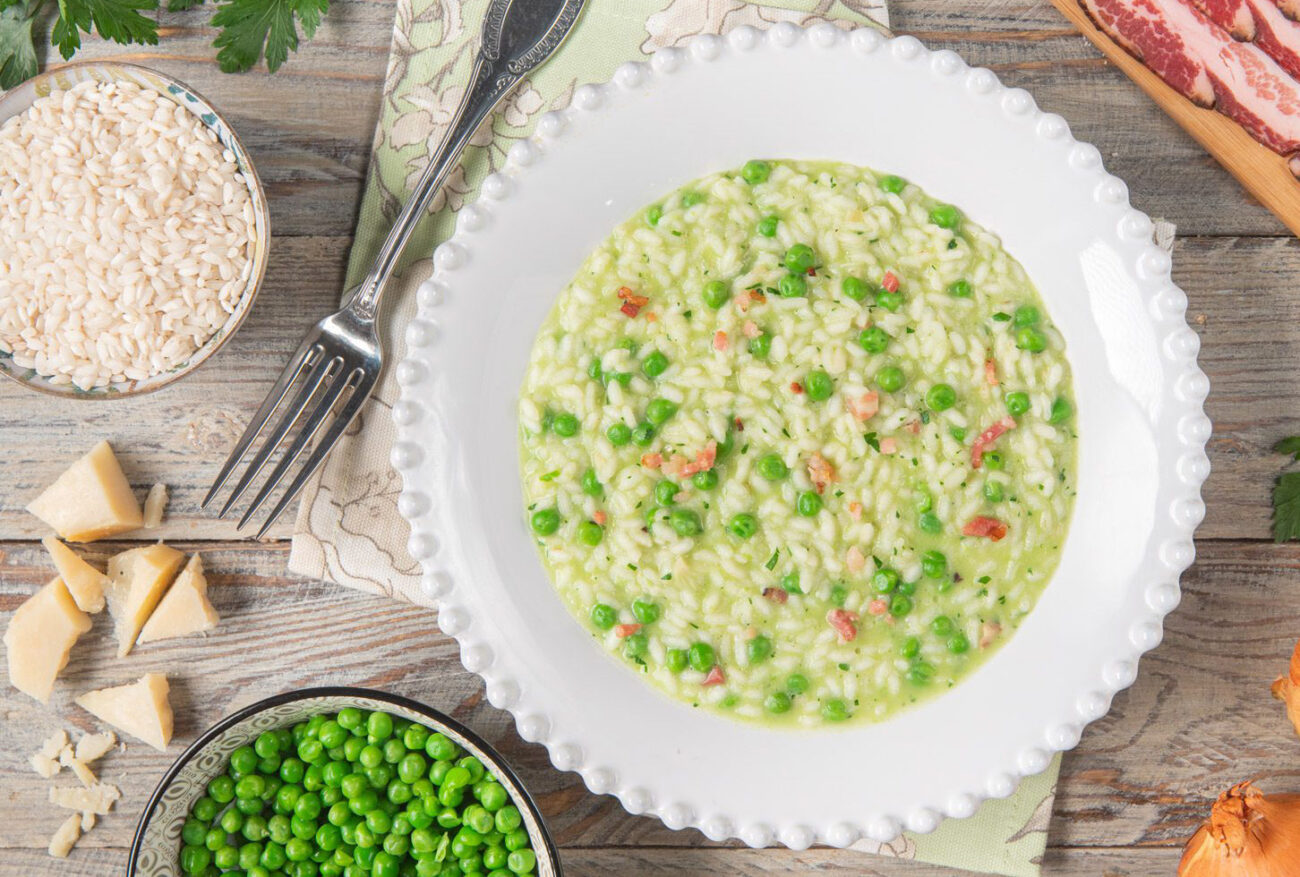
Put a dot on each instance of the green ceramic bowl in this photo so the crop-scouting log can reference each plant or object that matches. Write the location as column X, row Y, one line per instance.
column 19, row 99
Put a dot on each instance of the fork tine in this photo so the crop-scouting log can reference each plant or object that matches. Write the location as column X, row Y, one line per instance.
column 320, row 372
column 329, row 395
column 341, row 422
column 302, row 360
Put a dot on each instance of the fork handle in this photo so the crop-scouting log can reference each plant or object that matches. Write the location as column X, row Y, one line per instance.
column 489, row 84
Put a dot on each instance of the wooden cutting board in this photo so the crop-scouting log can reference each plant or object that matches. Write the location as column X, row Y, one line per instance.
column 1263, row 172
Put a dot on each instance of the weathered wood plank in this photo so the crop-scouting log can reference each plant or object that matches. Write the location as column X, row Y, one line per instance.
column 1244, row 304
column 1198, row 718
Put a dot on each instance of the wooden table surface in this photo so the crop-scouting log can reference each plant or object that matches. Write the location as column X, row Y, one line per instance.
column 1198, row 719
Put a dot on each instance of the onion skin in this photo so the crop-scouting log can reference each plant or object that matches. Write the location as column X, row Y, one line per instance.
column 1287, row 689
column 1248, row 834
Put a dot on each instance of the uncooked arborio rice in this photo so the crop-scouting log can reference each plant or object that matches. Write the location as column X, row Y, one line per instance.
column 126, row 235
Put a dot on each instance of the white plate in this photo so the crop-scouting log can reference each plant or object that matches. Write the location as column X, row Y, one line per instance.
column 966, row 139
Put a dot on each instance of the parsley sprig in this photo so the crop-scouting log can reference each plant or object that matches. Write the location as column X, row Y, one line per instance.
column 1286, row 494
column 248, row 29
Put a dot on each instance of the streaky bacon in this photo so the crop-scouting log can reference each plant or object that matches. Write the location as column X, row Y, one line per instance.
column 681, row 467
column 845, row 624
column 988, row 437
column 776, row 595
column 820, row 472
column 864, row 407
column 714, row 676
column 985, row 528
column 622, row 631
column 1261, row 22
column 991, row 372
column 1200, row 59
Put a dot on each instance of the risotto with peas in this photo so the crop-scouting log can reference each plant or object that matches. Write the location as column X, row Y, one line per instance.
column 798, row 445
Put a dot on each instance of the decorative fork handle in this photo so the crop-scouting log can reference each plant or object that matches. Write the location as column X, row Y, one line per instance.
column 515, row 40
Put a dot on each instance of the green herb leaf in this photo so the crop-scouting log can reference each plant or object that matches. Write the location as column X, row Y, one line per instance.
column 1289, row 445
column 116, row 20
column 872, row 441
column 250, row 27
column 1286, row 507
column 771, row 561
column 17, row 50
column 182, row 5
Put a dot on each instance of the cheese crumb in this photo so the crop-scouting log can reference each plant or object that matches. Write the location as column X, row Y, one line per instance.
column 154, row 505
column 68, row 760
column 97, row 799
column 87, row 821
column 94, row 746
column 44, row 765
column 62, row 841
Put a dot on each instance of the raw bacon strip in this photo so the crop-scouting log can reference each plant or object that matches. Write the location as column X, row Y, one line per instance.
column 1260, row 22
column 1194, row 55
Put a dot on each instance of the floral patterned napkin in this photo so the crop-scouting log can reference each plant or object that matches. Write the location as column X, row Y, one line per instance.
column 349, row 529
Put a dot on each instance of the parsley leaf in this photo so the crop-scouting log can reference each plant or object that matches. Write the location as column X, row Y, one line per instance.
column 872, row 441
column 17, row 51
column 1289, row 445
column 1286, row 507
column 116, row 20
column 250, row 26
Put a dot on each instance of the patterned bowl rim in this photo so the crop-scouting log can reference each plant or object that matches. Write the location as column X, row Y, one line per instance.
column 261, row 248
column 436, row 717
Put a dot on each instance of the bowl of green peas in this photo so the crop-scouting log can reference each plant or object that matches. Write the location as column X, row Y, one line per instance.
column 341, row 782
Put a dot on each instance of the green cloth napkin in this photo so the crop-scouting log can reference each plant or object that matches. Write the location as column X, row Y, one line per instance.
column 349, row 530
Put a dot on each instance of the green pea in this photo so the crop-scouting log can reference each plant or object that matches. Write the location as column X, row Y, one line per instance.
column 195, row 860
column 225, row 858
column 666, row 493
column 205, row 808
column 565, row 425
column 653, row 214
column 701, row 657
column 1061, row 411
column 892, row 184
column 792, row 286
column 945, row 216
column 941, row 397
column 675, row 660
column 777, row 702
column 993, row 491
column 1017, row 403
column 900, row 605
column 756, row 171
column 619, row 434
column 808, row 503
column 706, row 480
column 268, row 744
column 797, row 684
column 603, row 616
column 659, row 411
column 1030, row 339
column 685, row 522
column 1025, row 315
column 194, row 832
column 906, row 587
column 958, row 643
column 772, row 467
column 854, row 288
column 310, row 750
column 884, row 580
column 760, row 346
column 799, row 258
column 890, row 301
column 243, row 761
column 372, row 756
column 642, row 434
column 544, row 523
column 994, row 460
column 890, row 379
column 959, row 289
column 646, row 611
column 590, row 533
column 231, row 821
column 636, row 646
column 759, row 649
column 934, row 564
column 835, row 710
column 818, row 385
column 743, row 526
column 911, row 647
column 873, row 340
column 790, row 583
column 930, row 523
column 221, row 790
column 521, row 861
column 690, row 199
column 590, row 483
column 767, row 226
column 942, row 626
column 654, row 364
column 716, row 294
column 349, row 717
column 594, row 371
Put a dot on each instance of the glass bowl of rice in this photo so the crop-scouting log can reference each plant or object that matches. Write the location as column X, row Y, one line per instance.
column 133, row 231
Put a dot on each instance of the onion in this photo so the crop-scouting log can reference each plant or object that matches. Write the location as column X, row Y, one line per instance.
column 1248, row 834
column 1287, row 689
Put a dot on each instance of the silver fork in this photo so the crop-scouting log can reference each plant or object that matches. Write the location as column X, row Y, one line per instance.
column 337, row 365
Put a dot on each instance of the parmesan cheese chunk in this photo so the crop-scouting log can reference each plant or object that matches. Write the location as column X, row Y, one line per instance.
column 154, row 506
column 78, row 767
column 87, row 821
column 92, row 747
column 85, row 583
column 67, row 835
column 97, row 799
column 40, row 636
column 44, row 765
column 184, row 609
column 136, row 582
column 90, row 500
column 139, row 709
column 54, row 744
